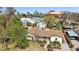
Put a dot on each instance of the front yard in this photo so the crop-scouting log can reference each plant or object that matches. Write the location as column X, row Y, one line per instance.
column 33, row 46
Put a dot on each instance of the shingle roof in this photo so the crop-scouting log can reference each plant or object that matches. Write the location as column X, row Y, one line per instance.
column 45, row 33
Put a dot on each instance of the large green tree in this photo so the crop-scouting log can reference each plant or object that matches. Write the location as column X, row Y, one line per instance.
column 52, row 22
column 17, row 34
column 9, row 12
column 12, row 29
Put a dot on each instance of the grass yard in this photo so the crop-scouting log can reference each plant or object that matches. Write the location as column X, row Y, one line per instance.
column 32, row 47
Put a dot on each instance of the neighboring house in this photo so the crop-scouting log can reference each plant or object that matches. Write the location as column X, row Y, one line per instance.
column 41, row 25
column 34, row 20
column 68, row 27
column 69, row 22
column 26, row 20
column 45, row 34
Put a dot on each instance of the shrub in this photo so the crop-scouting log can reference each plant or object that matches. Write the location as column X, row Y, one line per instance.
column 44, row 42
column 71, row 46
column 22, row 44
column 41, row 43
column 56, row 44
column 50, row 48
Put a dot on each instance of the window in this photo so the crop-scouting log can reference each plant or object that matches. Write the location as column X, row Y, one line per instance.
column 55, row 39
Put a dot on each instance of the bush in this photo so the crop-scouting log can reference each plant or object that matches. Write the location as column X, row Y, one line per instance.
column 41, row 43
column 71, row 46
column 56, row 44
column 22, row 44
column 50, row 48
column 44, row 42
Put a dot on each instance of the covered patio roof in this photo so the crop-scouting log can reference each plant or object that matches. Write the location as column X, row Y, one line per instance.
column 72, row 33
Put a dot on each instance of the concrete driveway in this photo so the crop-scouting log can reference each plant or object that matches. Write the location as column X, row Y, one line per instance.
column 75, row 43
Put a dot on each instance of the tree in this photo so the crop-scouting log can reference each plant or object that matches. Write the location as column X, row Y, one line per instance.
column 36, row 13
column 13, row 30
column 24, row 15
column 51, row 21
column 17, row 34
column 10, row 11
column 41, row 13
column 1, row 21
column 5, row 24
column 22, row 43
column 0, row 9
column 73, row 16
column 28, row 13
column 18, row 15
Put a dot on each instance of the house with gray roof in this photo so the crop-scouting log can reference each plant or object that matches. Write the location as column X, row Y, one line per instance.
column 34, row 20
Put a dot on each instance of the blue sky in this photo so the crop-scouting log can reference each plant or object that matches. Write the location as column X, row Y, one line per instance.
column 46, row 9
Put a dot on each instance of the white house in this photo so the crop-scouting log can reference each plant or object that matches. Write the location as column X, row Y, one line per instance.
column 39, row 21
column 56, row 38
column 25, row 20
column 41, row 24
column 52, row 35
